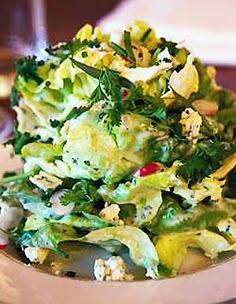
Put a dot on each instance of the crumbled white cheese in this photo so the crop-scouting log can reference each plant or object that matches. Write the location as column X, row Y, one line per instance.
column 36, row 254
column 45, row 181
column 191, row 122
column 151, row 274
column 110, row 213
column 113, row 269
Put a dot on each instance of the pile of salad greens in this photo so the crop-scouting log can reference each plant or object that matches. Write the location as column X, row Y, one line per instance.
column 126, row 140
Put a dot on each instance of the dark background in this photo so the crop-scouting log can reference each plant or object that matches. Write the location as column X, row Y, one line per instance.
column 65, row 17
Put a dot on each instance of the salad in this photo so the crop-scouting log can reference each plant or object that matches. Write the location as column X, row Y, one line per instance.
column 126, row 141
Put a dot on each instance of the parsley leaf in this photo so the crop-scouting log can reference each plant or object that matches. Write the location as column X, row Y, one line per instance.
column 110, row 90
column 28, row 69
column 63, row 50
column 83, row 194
column 21, row 139
column 151, row 107
column 206, row 158
column 170, row 45
column 14, row 96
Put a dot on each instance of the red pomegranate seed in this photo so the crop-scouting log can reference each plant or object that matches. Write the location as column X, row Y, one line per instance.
column 149, row 169
column 125, row 92
column 3, row 246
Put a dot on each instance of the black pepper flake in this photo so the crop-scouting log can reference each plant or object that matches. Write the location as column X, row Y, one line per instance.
column 227, row 228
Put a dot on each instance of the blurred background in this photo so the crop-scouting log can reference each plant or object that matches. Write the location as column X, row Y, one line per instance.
column 208, row 26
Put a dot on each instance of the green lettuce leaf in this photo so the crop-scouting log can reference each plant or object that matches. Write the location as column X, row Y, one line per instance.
column 49, row 236
column 172, row 247
column 172, row 217
column 85, row 221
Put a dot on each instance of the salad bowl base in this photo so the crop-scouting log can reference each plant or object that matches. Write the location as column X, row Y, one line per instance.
column 23, row 283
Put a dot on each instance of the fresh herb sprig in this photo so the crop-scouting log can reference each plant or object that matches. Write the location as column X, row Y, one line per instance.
column 64, row 50
column 109, row 88
column 148, row 106
column 83, row 194
column 74, row 113
column 206, row 157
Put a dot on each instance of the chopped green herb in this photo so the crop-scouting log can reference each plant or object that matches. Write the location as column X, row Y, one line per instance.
column 84, row 54
column 128, row 45
column 119, row 50
column 206, row 158
column 21, row 139
column 14, row 97
column 28, row 69
column 146, row 34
